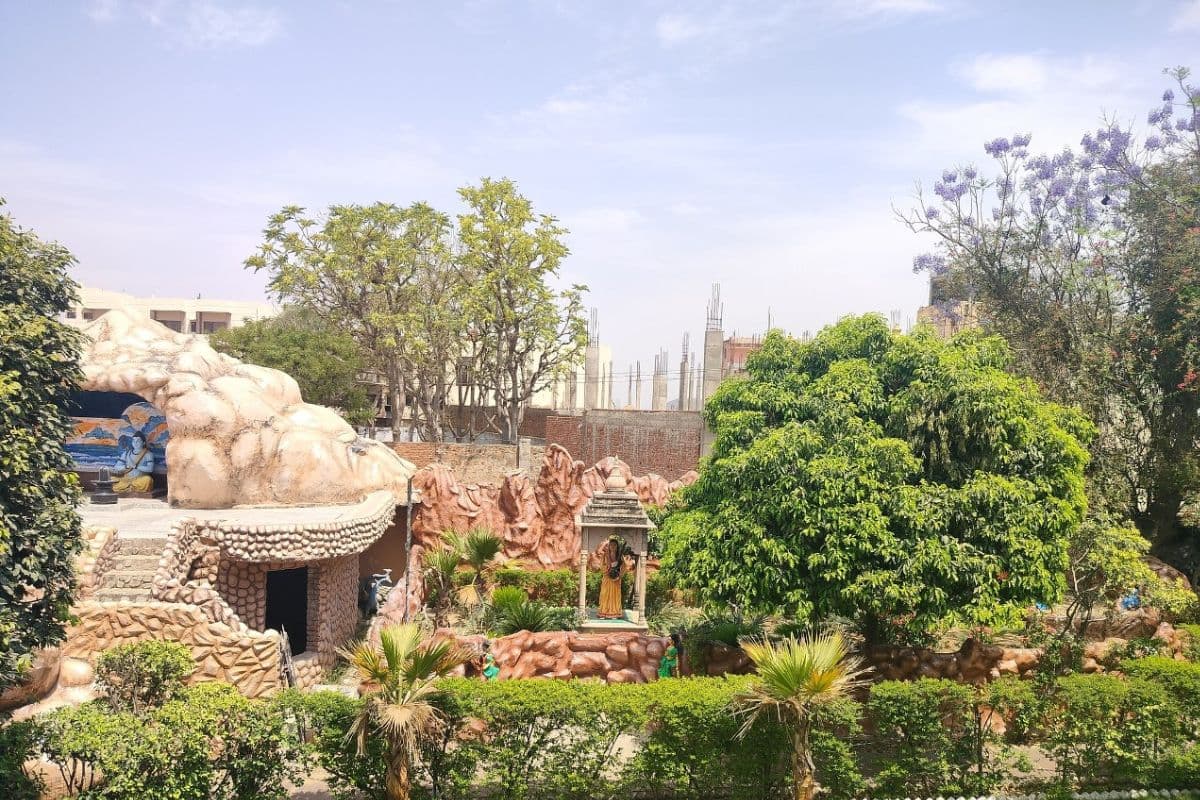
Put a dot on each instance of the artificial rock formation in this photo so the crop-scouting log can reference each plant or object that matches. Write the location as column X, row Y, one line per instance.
column 239, row 434
column 615, row 657
column 536, row 518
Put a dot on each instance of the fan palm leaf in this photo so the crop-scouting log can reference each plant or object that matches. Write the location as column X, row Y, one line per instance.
column 795, row 676
column 400, row 675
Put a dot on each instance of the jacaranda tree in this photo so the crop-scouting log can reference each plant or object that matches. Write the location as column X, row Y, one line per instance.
column 896, row 480
column 39, row 528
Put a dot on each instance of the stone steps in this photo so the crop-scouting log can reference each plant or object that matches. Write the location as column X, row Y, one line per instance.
column 127, row 563
column 127, row 579
column 122, row 595
column 141, row 546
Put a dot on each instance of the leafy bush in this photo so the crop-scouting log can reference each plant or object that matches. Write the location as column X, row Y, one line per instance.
column 1103, row 727
column 557, row 587
column 505, row 597
column 209, row 743
column 18, row 742
column 691, row 748
column 1179, row 769
column 935, row 736
column 1181, row 679
column 351, row 776
column 143, row 675
column 1191, row 642
column 526, row 616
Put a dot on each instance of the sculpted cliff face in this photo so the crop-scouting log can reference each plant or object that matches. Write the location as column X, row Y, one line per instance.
column 536, row 518
column 239, row 434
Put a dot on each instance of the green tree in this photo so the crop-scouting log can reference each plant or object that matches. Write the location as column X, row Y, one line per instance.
column 400, row 708
column 366, row 270
column 896, row 480
column 530, row 333
column 796, row 677
column 324, row 361
column 39, row 527
column 1086, row 262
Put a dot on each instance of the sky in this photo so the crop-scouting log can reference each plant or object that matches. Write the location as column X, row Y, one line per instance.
column 761, row 146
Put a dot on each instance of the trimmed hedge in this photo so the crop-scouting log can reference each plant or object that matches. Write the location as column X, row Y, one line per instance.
column 534, row 739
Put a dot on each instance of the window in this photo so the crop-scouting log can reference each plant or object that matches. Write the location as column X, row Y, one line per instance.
column 213, row 327
column 71, row 314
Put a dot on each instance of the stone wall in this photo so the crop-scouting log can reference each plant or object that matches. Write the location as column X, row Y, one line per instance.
column 247, row 659
column 472, row 463
column 615, row 657
column 666, row 443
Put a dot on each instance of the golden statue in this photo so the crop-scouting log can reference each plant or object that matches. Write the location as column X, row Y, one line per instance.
column 611, row 604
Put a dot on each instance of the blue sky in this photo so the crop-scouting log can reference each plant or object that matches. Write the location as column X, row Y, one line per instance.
column 758, row 145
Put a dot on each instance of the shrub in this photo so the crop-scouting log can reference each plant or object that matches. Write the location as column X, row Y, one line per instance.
column 18, row 742
column 505, row 597
column 143, row 675
column 556, row 587
column 1191, row 642
column 1107, row 727
column 691, row 748
column 209, row 743
column 1181, row 679
column 935, row 735
column 527, row 616
column 1179, row 769
column 351, row 776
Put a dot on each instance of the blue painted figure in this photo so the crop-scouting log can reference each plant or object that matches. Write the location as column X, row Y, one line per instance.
column 1131, row 601
column 135, row 467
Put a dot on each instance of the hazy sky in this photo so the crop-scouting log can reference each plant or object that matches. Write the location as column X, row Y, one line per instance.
column 758, row 145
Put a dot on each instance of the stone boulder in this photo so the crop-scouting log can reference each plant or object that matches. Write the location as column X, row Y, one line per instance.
column 239, row 434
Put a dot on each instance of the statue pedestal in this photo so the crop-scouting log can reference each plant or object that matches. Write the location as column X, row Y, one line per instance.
column 594, row 624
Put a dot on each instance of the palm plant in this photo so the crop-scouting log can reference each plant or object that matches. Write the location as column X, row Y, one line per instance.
column 795, row 678
column 440, row 565
column 478, row 547
column 401, row 675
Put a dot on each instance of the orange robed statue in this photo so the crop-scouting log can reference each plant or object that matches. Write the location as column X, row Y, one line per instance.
column 611, row 605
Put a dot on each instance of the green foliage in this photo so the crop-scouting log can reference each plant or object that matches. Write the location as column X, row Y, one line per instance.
column 39, row 527
column 18, row 742
column 935, row 736
column 533, row 332
column 896, row 480
column 478, row 547
column 528, row 615
column 139, row 676
column 324, row 360
column 1191, row 642
column 1103, row 727
column 209, row 743
column 1181, row 679
column 556, row 587
column 692, row 749
column 352, row 775
column 505, row 597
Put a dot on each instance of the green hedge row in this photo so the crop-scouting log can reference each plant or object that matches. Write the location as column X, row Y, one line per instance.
column 678, row 739
column 560, row 587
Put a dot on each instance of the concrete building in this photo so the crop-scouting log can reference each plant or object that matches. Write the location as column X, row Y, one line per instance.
column 180, row 314
column 951, row 308
column 734, row 352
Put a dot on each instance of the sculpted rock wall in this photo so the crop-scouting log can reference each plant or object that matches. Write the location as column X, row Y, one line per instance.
column 615, row 657
column 239, row 434
column 535, row 517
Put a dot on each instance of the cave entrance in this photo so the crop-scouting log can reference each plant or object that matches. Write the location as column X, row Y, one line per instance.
column 287, row 605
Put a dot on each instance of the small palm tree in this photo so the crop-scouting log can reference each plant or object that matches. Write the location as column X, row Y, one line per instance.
column 440, row 565
column 401, row 675
column 478, row 547
column 795, row 677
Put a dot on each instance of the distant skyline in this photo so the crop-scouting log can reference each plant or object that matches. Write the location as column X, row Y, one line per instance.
column 761, row 146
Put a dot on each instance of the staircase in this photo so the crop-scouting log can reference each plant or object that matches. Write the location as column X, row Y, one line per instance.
column 131, row 576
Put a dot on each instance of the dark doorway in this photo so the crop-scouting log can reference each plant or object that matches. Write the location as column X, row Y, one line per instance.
column 287, row 605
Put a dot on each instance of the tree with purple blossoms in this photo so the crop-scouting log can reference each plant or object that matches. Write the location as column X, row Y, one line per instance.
column 1086, row 261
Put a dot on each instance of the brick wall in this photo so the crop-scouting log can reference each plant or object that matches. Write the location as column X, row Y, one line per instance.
column 665, row 442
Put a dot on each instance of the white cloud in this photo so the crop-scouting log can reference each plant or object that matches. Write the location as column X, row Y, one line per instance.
column 1186, row 18
column 675, row 28
column 1005, row 73
column 211, row 25
column 196, row 23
